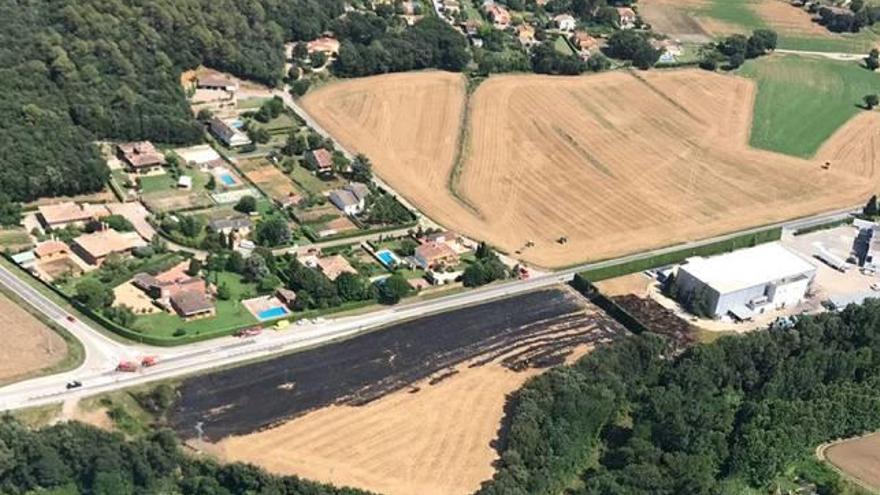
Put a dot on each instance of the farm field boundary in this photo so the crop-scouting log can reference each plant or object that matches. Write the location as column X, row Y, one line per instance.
column 854, row 466
column 725, row 246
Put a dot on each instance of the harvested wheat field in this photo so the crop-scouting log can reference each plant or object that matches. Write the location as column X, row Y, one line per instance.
column 855, row 148
column 858, row 458
column 29, row 345
column 617, row 162
column 430, row 439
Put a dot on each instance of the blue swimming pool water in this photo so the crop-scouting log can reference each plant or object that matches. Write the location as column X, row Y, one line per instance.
column 386, row 257
column 268, row 314
column 237, row 124
column 227, row 180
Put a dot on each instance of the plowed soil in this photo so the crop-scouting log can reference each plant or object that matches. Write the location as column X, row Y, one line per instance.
column 29, row 345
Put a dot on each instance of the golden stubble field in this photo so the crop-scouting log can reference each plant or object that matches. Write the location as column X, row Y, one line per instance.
column 617, row 162
column 29, row 345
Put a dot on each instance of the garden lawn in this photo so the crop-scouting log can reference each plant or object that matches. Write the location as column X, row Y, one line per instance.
column 231, row 314
column 561, row 45
column 793, row 90
column 304, row 178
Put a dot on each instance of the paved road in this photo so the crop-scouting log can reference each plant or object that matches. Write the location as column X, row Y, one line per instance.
column 102, row 353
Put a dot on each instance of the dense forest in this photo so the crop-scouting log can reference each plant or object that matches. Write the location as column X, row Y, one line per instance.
column 635, row 418
column 73, row 71
column 76, row 458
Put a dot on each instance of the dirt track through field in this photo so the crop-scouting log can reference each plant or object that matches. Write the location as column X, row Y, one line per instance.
column 29, row 345
column 617, row 163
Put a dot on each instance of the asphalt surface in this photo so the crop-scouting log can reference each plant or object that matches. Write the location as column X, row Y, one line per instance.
column 98, row 374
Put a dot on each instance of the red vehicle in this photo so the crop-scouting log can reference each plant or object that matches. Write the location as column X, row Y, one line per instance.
column 249, row 332
column 148, row 361
column 523, row 274
column 127, row 366
column 70, row 318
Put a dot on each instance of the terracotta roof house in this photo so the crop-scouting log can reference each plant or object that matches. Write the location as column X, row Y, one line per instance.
column 50, row 250
column 435, row 253
column 499, row 16
column 140, row 157
column 95, row 247
column 627, row 17
column 442, row 236
column 526, row 34
column 67, row 213
column 320, row 160
column 216, row 81
column 334, row 266
column 170, row 282
column 228, row 135
column 192, row 304
column 324, row 44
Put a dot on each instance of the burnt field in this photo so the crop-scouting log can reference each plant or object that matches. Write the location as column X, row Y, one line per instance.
column 531, row 330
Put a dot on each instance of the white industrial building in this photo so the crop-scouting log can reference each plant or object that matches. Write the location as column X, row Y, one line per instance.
column 749, row 281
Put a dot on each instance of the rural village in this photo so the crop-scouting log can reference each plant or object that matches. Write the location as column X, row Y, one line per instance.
column 442, row 247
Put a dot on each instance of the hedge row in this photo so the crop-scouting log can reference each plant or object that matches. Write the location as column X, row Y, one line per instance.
column 613, row 309
column 677, row 256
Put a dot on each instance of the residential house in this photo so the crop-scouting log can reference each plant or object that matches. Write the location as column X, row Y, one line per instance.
column 191, row 305
column 443, row 236
column 325, row 44
column 140, row 157
column 565, row 22
column 432, row 254
column 292, row 199
column 51, row 250
column 627, row 17
column 95, row 247
column 526, row 34
column 441, row 277
column 216, row 81
column 499, row 15
column 170, row 282
column 351, row 199
column 320, row 160
column 61, row 215
column 240, row 225
column 286, row 296
column 471, row 28
column 227, row 134
column 669, row 49
column 585, row 43
column 334, row 266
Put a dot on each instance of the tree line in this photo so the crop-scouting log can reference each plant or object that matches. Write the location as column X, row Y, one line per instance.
column 635, row 417
column 72, row 457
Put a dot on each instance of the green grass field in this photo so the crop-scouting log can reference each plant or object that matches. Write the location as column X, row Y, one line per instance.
column 563, row 46
column 743, row 14
column 794, row 90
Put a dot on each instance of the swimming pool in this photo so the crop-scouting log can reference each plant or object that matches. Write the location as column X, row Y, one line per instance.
column 237, row 124
column 226, row 179
column 268, row 314
column 386, row 257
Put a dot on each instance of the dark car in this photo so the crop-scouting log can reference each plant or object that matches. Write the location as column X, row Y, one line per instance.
column 74, row 384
